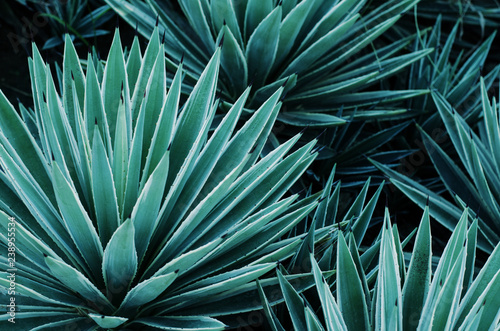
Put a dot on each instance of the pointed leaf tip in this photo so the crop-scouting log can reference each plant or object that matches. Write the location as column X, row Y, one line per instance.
column 222, row 40
column 319, row 135
column 285, row 82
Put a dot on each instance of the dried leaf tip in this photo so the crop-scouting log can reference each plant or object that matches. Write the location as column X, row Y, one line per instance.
column 72, row 76
column 286, row 82
column 319, row 135
column 45, row 255
column 95, row 120
column 427, row 202
column 44, row 98
column 163, row 37
column 157, row 20
column 182, row 58
column 221, row 42
column 168, row 148
column 117, row 24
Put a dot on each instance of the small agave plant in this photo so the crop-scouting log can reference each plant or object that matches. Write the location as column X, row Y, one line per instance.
column 395, row 294
column 131, row 212
column 317, row 48
column 474, row 181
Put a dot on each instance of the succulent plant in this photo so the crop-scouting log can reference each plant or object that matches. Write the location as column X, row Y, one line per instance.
column 129, row 210
column 472, row 184
column 402, row 291
column 317, row 48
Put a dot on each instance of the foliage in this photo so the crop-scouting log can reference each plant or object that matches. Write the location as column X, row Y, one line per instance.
column 130, row 212
column 482, row 13
column 73, row 17
column 322, row 50
column 175, row 188
column 395, row 295
column 453, row 73
column 476, row 183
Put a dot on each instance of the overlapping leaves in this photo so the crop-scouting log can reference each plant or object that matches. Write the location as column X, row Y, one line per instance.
column 401, row 297
column 130, row 210
column 317, row 48
column 475, row 182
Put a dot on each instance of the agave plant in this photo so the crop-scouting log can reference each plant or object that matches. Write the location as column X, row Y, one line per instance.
column 129, row 211
column 481, row 14
column 453, row 74
column 475, row 183
column 317, row 48
column 73, row 17
column 398, row 296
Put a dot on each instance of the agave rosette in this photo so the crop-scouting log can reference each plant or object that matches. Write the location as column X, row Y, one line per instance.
column 130, row 211
column 317, row 48
column 472, row 183
column 403, row 291
column 78, row 18
column 455, row 75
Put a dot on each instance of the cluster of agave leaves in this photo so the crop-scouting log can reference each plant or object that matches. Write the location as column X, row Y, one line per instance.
column 307, row 45
column 72, row 17
column 131, row 213
column 392, row 296
column 335, row 58
column 478, row 154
